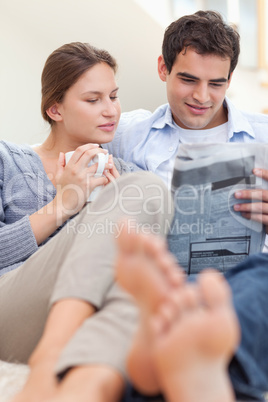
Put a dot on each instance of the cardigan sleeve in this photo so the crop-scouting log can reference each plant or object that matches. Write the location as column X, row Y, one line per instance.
column 125, row 167
column 17, row 242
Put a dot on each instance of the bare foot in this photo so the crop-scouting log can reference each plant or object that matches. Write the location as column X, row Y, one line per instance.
column 147, row 270
column 194, row 336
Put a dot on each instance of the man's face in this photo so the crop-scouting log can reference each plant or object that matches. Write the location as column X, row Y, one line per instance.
column 196, row 87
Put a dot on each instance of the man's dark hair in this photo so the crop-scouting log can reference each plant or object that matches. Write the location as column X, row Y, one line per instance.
column 206, row 33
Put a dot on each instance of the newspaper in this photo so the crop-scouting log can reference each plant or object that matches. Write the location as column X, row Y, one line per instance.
column 206, row 231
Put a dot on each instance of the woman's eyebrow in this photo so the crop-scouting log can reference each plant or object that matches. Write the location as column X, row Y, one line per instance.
column 98, row 92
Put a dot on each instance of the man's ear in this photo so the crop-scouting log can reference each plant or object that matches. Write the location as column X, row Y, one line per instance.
column 230, row 79
column 162, row 68
column 53, row 112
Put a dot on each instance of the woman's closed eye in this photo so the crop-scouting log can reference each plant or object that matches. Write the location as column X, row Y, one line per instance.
column 92, row 100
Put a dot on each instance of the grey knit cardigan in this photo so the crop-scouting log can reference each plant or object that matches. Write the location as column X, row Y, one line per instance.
column 24, row 189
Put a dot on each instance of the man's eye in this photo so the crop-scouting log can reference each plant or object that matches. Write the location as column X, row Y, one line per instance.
column 215, row 84
column 188, row 80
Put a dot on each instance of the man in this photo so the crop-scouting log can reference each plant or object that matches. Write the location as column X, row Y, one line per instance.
column 199, row 55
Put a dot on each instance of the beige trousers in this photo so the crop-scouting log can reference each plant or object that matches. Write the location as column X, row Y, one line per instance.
column 78, row 263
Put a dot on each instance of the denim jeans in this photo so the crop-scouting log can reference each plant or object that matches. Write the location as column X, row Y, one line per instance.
column 249, row 367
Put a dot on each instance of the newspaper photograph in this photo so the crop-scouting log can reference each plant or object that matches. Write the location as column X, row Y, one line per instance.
column 206, row 230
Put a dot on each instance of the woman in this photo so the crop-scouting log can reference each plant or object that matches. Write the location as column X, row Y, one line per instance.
column 61, row 310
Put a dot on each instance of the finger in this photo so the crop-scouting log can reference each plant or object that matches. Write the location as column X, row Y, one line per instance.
column 108, row 166
column 87, row 158
column 60, row 164
column 92, row 169
column 113, row 171
column 263, row 173
column 80, row 151
column 83, row 155
column 256, row 194
column 61, row 160
column 97, row 181
column 255, row 217
column 109, row 176
column 253, row 207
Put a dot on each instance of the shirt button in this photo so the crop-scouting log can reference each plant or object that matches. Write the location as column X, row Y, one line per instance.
column 171, row 149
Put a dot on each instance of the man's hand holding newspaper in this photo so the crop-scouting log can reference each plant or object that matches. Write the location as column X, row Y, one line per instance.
column 257, row 211
column 221, row 206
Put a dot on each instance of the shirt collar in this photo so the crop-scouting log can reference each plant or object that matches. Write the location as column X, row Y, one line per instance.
column 165, row 118
column 237, row 122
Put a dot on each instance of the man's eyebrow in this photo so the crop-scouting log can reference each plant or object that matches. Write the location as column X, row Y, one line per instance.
column 219, row 80
column 193, row 77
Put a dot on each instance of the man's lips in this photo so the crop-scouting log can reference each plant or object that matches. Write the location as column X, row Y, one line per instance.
column 197, row 109
column 107, row 127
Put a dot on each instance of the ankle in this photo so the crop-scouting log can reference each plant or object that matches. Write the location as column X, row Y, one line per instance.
column 99, row 383
column 42, row 357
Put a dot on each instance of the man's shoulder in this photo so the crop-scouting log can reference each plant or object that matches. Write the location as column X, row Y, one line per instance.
column 251, row 123
column 141, row 117
column 258, row 118
column 251, row 117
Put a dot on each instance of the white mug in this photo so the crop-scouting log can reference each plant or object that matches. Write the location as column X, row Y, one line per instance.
column 101, row 159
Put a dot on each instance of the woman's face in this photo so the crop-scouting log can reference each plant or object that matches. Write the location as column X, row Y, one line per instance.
column 91, row 110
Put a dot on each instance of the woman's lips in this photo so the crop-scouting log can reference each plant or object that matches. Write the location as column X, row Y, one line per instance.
column 107, row 127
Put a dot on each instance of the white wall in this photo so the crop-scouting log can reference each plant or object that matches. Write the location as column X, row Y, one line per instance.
column 162, row 11
column 31, row 29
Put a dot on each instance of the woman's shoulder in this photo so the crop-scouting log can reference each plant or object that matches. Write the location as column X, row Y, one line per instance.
column 14, row 157
column 10, row 148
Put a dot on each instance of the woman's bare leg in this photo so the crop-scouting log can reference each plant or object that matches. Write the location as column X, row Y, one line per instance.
column 64, row 319
column 96, row 383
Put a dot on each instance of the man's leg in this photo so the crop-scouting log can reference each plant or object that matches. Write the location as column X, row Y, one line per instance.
column 193, row 340
column 190, row 330
column 249, row 367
